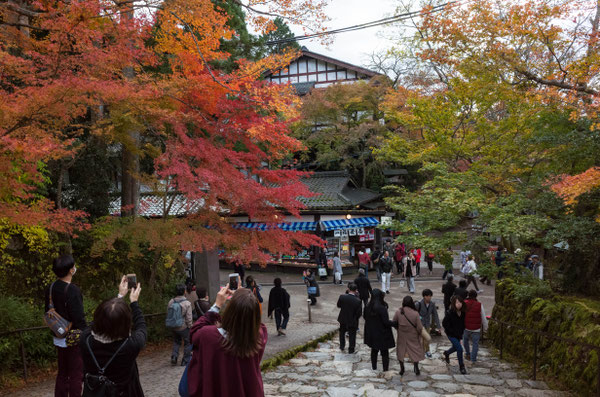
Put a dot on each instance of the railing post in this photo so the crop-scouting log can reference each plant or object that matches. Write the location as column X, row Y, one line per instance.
column 23, row 356
column 598, row 354
column 535, row 350
column 501, row 339
column 308, row 302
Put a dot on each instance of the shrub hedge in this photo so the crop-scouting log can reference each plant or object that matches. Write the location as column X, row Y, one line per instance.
column 532, row 305
column 16, row 313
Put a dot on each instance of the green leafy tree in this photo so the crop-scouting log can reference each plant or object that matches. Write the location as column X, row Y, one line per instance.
column 341, row 125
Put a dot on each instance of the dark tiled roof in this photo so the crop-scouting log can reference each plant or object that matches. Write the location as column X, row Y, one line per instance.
column 395, row 171
column 336, row 191
column 154, row 205
column 304, row 88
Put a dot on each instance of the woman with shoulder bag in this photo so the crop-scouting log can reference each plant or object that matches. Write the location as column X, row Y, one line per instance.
column 410, row 330
column 110, row 348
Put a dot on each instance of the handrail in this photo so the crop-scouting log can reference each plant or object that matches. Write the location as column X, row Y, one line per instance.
column 41, row 327
column 548, row 335
column 20, row 332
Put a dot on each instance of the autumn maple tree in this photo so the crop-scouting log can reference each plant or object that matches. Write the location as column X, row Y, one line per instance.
column 505, row 106
column 138, row 76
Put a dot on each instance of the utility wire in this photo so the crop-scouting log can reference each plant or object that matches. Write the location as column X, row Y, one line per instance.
column 383, row 21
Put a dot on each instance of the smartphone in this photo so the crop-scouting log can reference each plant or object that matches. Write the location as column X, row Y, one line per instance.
column 131, row 281
column 233, row 281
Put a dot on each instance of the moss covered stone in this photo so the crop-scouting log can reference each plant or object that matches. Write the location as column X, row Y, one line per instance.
column 574, row 365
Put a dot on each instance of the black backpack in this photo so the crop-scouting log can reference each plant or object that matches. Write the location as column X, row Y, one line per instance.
column 99, row 385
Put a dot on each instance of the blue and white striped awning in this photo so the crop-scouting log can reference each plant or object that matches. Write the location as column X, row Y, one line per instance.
column 338, row 224
column 287, row 226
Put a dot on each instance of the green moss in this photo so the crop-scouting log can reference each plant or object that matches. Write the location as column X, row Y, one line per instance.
column 282, row 357
column 563, row 316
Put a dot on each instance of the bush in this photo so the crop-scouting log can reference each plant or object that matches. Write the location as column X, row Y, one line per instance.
column 18, row 313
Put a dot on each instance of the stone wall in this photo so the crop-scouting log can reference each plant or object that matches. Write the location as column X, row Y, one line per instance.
column 573, row 366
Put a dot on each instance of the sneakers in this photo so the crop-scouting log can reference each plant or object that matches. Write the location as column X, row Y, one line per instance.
column 173, row 360
column 463, row 370
column 387, row 292
column 428, row 354
column 480, row 291
column 280, row 332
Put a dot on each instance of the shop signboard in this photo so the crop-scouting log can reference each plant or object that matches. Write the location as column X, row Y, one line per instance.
column 369, row 235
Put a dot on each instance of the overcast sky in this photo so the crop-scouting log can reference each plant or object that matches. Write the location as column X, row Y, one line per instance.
column 353, row 47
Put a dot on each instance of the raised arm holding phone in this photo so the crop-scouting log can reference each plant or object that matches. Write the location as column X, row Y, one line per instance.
column 228, row 344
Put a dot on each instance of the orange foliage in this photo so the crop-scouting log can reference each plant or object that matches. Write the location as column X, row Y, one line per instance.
column 569, row 188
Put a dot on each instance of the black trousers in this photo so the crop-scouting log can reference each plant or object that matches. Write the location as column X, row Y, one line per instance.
column 352, row 336
column 385, row 358
column 471, row 279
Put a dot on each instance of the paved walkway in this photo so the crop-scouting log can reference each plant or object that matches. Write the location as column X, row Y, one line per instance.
column 328, row 372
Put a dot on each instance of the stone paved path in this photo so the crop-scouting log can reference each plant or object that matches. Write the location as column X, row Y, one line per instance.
column 329, row 372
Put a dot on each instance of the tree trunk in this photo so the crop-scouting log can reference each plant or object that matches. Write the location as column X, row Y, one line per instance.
column 130, row 167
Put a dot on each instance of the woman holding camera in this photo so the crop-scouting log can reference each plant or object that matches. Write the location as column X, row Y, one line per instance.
column 228, row 345
column 112, row 344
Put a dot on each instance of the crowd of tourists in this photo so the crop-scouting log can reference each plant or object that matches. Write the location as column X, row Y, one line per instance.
column 414, row 322
column 223, row 342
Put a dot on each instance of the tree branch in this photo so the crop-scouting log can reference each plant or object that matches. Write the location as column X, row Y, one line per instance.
column 581, row 87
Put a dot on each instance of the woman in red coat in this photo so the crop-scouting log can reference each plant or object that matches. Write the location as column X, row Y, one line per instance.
column 227, row 349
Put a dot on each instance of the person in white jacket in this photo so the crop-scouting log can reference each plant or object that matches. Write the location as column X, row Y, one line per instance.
column 470, row 271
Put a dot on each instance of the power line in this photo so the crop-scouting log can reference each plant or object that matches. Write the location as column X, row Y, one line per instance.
column 383, row 21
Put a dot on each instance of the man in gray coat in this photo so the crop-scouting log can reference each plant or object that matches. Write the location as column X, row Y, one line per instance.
column 427, row 310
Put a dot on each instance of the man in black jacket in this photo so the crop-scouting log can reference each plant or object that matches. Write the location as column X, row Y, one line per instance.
column 364, row 287
column 351, row 310
column 386, row 265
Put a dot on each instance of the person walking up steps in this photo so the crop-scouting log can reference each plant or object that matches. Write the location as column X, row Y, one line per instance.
column 410, row 270
column 378, row 329
column 386, row 271
column 179, row 320
column 448, row 290
column 454, row 326
column 475, row 325
column 279, row 302
column 364, row 287
column 427, row 310
column 350, row 311
column 409, row 334
column 470, row 271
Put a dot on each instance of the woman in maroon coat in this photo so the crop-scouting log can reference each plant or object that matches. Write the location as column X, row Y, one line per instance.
column 227, row 350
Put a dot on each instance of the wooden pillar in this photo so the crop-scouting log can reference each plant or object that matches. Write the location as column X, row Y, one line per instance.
column 206, row 272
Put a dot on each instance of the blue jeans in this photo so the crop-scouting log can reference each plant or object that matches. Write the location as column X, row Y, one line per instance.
column 281, row 319
column 411, row 284
column 178, row 336
column 456, row 347
column 475, row 337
